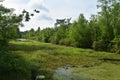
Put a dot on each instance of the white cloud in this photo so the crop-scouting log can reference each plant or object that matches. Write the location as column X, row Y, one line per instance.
column 45, row 17
column 39, row 19
column 37, row 4
column 50, row 10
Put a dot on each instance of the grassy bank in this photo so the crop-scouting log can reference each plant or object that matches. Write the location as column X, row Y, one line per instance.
column 48, row 57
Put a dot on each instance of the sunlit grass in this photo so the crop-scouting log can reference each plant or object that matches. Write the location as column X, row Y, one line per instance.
column 105, row 71
column 53, row 56
column 49, row 57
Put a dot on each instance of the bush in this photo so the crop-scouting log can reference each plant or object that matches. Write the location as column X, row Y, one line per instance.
column 100, row 45
column 112, row 47
column 115, row 47
column 13, row 67
column 66, row 42
column 3, row 43
column 54, row 40
column 118, row 47
column 62, row 42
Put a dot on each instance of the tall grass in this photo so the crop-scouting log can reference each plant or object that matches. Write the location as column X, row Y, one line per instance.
column 49, row 57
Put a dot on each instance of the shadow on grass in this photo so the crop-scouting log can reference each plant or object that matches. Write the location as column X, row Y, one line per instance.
column 14, row 67
column 27, row 47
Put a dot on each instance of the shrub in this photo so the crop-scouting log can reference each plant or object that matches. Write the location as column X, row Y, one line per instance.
column 13, row 67
column 114, row 47
column 100, row 45
column 54, row 40
column 118, row 47
column 66, row 42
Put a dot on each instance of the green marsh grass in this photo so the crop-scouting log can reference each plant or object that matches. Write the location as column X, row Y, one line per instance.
column 47, row 56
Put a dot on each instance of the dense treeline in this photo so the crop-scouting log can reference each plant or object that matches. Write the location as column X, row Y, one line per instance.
column 101, row 32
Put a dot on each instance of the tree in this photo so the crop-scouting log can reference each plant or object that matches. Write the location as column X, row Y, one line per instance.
column 9, row 23
column 106, row 25
column 115, row 17
column 45, row 34
column 38, row 34
column 62, row 22
column 61, row 29
column 81, row 33
column 12, row 66
column 105, row 20
column 95, row 28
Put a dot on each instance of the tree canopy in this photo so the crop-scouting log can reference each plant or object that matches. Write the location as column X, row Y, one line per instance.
column 100, row 32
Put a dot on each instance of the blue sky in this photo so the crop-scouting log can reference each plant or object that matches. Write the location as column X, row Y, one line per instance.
column 50, row 10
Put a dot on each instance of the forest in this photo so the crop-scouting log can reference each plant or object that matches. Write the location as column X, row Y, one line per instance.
column 99, row 33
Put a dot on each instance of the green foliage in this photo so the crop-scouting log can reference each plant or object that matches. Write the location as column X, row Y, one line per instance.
column 118, row 47
column 115, row 46
column 13, row 67
column 98, row 32
column 9, row 23
column 100, row 45
column 46, row 34
column 30, row 34
column 95, row 28
column 81, row 33
column 66, row 42
column 60, row 34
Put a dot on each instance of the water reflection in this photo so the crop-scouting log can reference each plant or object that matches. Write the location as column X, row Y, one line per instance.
column 66, row 73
